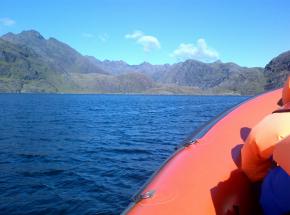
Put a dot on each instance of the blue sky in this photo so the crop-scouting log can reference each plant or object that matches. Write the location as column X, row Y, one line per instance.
column 248, row 32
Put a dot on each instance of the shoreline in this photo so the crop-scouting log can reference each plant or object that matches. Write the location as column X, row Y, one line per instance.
column 127, row 94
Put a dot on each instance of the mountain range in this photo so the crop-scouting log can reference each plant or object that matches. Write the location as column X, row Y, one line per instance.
column 31, row 63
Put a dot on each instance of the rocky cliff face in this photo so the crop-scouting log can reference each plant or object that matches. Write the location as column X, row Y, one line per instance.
column 277, row 71
column 20, row 66
column 203, row 75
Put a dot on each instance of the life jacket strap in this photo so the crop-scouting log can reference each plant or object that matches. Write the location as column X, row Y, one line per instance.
column 281, row 111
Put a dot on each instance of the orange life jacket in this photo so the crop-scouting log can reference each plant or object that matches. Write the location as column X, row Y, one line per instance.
column 259, row 146
column 286, row 91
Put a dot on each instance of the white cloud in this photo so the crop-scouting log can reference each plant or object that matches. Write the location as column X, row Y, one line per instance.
column 6, row 21
column 88, row 35
column 199, row 51
column 147, row 41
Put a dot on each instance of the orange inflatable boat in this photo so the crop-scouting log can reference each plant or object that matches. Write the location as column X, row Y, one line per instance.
column 203, row 177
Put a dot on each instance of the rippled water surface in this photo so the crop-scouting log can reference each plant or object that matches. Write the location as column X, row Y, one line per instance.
column 88, row 154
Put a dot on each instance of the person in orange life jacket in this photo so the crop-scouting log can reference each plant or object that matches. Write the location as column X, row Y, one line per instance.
column 258, row 150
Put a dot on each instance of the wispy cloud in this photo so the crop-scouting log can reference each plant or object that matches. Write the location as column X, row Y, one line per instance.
column 199, row 51
column 134, row 35
column 103, row 37
column 6, row 21
column 148, row 42
column 88, row 35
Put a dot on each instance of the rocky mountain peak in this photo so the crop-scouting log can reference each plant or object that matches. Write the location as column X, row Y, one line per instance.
column 32, row 34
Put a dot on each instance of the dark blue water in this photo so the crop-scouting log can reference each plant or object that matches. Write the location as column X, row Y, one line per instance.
column 88, row 154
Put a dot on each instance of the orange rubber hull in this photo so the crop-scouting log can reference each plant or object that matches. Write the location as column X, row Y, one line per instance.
column 204, row 178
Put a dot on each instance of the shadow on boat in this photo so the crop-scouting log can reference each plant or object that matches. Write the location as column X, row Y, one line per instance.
column 237, row 195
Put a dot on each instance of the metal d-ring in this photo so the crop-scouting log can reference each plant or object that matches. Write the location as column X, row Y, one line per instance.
column 186, row 144
column 146, row 195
